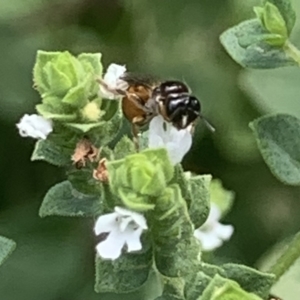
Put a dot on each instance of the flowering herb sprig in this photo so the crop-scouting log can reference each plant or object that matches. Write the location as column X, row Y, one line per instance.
column 150, row 216
column 265, row 43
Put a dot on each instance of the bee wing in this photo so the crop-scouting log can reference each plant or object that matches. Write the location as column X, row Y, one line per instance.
column 140, row 79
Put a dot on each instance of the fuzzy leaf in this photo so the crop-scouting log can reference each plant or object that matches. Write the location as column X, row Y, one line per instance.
column 287, row 12
column 273, row 20
column 176, row 251
column 195, row 285
column 7, row 246
column 223, row 289
column 249, row 279
column 76, row 97
column 173, row 289
column 124, row 147
column 63, row 200
column 47, row 112
column 139, row 177
column 84, row 128
column 83, row 181
column 278, row 139
column 91, row 63
column 245, row 44
column 51, row 152
column 200, row 205
column 127, row 273
column 40, row 80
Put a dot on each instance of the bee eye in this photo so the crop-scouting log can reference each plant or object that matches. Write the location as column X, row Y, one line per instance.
column 194, row 104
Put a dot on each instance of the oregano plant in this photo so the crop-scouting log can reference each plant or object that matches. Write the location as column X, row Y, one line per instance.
column 151, row 217
column 264, row 43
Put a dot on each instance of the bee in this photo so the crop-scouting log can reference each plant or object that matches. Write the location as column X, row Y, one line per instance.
column 147, row 97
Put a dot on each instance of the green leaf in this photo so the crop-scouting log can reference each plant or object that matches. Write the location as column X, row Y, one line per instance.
column 124, row 147
column 249, row 279
column 46, row 111
column 84, row 128
column 83, row 181
column 181, row 178
column 195, row 285
column 220, row 196
column 278, row 142
column 51, row 152
column 7, row 246
column 93, row 59
column 140, row 177
column 286, row 11
column 244, row 44
column 273, row 20
column 76, row 97
column 173, row 289
column 40, row 80
column 223, row 289
column 127, row 273
column 176, row 251
column 200, row 205
column 63, row 200
column 58, row 82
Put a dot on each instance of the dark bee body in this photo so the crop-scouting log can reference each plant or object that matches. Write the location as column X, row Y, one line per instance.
column 146, row 98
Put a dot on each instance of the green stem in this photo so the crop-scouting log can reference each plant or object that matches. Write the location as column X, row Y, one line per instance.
column 288, row 258
column 292, row 51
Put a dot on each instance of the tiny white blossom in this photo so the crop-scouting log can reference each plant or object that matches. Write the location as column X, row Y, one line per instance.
column 212, row 233
column 125, row 227
column 112, row 82
column 163, row 134
column 34, row 126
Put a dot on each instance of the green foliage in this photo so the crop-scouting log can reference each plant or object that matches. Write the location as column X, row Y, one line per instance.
column 250, row 279
column 286, row 11
column 7, row 246
column 172, row 233
column 224, row 289
column 250, row 45
column 272, row 20
column 139, row 177
column 173, row 289
column 52, row 152
column 278, row 142
column 200, row 204
column 63, row 200
column 125, row 274
column 123, row 148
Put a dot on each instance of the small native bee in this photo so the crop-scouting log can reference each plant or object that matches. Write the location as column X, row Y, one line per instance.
column 146, row 98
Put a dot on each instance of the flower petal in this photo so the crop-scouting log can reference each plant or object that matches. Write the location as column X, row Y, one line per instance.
column 223, row 231
column 139, row 219
column 163, row 134
column 34, row 126
column 111, row 248
column 106, row 223
column 209, row 241
column 133, row 240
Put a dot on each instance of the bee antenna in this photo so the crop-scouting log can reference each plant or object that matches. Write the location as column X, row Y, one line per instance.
column 207, row 124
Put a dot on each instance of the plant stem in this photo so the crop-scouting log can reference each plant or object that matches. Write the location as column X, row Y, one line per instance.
column 288, row 258
column 292, row 51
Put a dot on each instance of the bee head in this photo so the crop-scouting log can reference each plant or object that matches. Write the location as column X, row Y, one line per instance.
column 182, row 109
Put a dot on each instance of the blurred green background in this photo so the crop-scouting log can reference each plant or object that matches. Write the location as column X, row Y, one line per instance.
column 54, row 259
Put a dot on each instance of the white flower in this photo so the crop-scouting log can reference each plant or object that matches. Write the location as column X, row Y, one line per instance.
column 212, row 233
column 124, row 227
column 34, row 126
column 111, row 82
column 163, row 134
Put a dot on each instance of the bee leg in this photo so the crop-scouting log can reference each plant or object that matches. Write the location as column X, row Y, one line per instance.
column 135, row 132
column 116, row 92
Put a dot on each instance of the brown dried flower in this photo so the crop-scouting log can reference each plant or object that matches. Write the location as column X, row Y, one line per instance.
column 84, row 151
